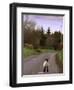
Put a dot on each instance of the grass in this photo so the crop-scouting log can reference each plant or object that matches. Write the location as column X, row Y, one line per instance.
column 28, row 51
column 60, row 55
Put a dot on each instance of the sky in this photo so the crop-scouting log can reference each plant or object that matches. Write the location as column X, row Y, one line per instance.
column 55, row 22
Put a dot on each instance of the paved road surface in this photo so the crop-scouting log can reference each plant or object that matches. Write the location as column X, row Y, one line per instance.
column 34, row 64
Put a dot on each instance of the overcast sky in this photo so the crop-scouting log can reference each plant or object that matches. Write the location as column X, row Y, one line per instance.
column 54, row 22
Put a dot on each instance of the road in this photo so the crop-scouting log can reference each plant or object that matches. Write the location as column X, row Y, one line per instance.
column 34, row 64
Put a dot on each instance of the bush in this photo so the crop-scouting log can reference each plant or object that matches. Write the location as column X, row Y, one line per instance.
column 29, row 46
column 38, row 50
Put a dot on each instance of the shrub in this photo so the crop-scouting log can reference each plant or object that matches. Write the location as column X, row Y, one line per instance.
column 29, row 45
column 38, row 50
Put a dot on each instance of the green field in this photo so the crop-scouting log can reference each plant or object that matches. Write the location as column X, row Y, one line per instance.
column 28, row 51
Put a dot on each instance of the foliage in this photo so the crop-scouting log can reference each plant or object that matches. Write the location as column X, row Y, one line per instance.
column 60, row 55
column 36, row 37
column 29, row 45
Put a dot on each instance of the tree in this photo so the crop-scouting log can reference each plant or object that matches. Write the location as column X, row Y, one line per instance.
column 42, row 38
column 31, row 34
column 48, row 32
column 36, row 38
column 57, row 39
column 28, row 28
column 49, row 39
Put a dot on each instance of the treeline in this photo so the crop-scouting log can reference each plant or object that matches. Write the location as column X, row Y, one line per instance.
column 35, row 37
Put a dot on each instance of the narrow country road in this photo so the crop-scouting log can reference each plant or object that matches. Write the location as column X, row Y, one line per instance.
column 34, row 64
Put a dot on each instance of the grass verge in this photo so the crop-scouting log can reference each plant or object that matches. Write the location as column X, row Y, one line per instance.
column 59, row 61
column 29, row 51
column 60, row 55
